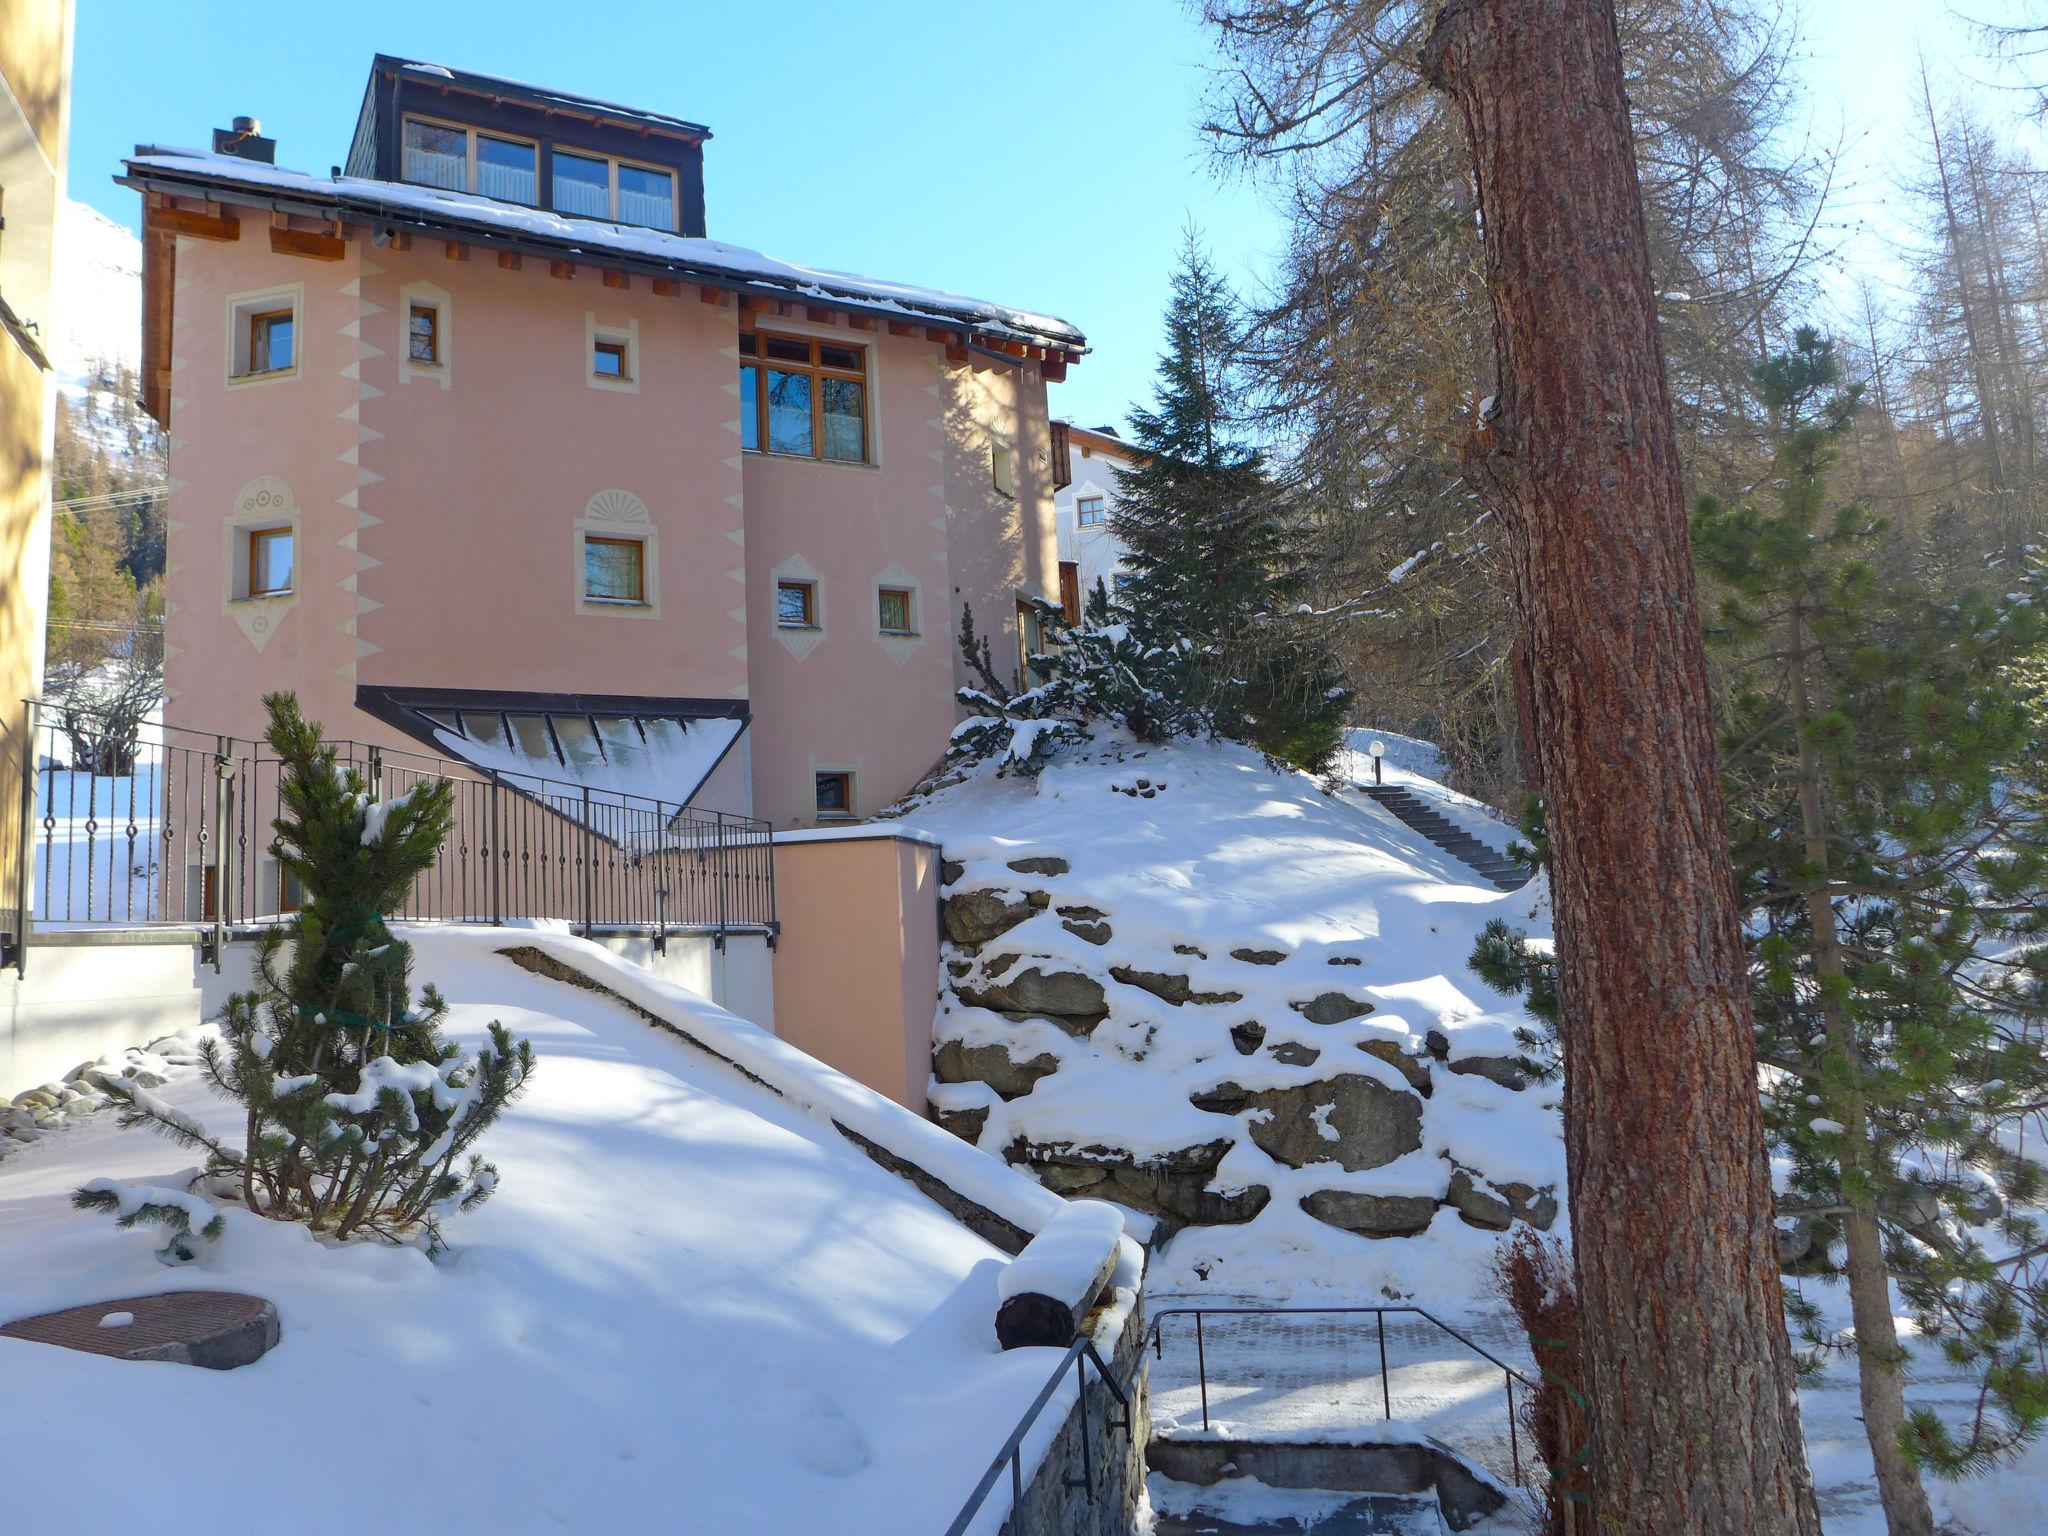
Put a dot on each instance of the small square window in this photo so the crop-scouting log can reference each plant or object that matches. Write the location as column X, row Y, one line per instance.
column 270, row 562
column 424, row 334
column 271, row 338
column 835, row 796
column 1090, row 511
column 614, row 570
column 608, row 359
column 796, row 605
column 1003, row 467
column 893, row 610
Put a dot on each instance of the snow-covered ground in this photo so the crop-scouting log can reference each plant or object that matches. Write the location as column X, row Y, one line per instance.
column 1228, row 854
column 691, row 1307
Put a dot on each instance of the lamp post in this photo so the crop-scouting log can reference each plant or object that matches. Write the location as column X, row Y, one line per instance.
column 1379, row 751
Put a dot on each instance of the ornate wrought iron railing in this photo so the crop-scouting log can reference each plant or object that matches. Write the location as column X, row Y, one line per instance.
column 139, row 824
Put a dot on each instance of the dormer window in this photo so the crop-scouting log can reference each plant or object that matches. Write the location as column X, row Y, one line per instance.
column 459, row 159
column 592, row 187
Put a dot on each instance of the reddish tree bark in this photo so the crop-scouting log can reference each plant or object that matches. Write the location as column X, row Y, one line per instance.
column 1684, row 1330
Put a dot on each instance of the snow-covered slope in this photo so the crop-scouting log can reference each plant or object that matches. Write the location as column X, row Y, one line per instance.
column 692, row 1306
column 96, row 302
column 1182, row 980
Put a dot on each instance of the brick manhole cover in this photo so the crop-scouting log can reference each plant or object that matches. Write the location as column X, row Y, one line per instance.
column 215, row 1329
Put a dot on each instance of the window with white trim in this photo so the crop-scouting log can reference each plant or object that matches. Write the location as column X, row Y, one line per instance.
column 264, row 334
column 1090, row 512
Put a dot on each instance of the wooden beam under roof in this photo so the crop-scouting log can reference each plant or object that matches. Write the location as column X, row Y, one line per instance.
column 200, row 226
column 509, row 260
column 565, row 270
column 455, row 250
column 614, row 278
column 308, row 243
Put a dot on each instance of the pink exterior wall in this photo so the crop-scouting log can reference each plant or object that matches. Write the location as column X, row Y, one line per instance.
column 857, row 965
column 439, row 513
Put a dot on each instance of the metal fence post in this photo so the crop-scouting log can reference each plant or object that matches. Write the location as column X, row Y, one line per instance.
column 589, row 871
column 496, row 859
column 223, row 856
column 25, row 873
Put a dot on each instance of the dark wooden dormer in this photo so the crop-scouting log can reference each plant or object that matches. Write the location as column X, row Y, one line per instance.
column 526, row 145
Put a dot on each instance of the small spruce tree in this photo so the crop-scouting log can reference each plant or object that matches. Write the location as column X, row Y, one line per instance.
column 359, row 1117
column 1207, row 527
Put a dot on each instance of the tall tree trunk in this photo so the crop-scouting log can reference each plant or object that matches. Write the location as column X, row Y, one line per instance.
column 1880, row 1363
column 1690, row 1368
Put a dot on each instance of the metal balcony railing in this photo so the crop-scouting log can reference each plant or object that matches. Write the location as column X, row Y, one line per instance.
column 140, row 824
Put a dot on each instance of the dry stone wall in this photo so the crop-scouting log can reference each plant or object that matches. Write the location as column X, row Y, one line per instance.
column 1188, row 1085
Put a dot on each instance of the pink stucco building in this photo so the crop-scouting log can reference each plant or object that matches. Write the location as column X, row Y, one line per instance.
column 484, row 449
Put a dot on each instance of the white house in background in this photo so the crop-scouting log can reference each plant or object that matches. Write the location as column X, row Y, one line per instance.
column 1084, row 512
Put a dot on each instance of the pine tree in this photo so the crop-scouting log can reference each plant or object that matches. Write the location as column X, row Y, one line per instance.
column 1206, row 526
column 1867, row 734
column 358, row 1112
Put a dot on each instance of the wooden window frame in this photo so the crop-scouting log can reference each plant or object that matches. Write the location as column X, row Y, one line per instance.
column 613, row 164
column 845, row 778
column 257, row 538
column 818, row 372
column 909, row 596
column 470, row 133
column 433, row 314
column 639, row 548
column 260, row 322
column 611, row 347
column 1081, row 506
column 810, row 592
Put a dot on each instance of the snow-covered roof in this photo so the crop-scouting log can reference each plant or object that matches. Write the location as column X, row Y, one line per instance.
column 228, row 179
column 469, row 79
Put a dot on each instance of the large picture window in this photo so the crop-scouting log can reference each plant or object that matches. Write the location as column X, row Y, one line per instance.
column 803, row 396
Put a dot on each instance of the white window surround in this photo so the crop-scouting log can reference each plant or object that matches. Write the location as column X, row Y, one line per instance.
column 1002, row 462
column 899, row 646
column 852, row 769
column 429, row 296
column 618, row 514
column 264, row 503
column 800, row 642
column 627, row 336
column 242, row 307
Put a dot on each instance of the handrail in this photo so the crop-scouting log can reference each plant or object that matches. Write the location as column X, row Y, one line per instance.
column 1509, row 1374
column 1077, row 1354
column 164, row 825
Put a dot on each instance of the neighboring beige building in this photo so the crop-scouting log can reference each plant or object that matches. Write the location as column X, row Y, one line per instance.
column 35, row 109
column 483, row 448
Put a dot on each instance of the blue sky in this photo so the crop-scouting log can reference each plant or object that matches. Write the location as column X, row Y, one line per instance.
column 1039, row 152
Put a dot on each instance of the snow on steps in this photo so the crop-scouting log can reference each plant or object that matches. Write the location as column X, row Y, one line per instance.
column 994, row 1201
column 1499, row 869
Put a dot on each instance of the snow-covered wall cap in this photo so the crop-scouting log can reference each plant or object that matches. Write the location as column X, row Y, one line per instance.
column 866, row 832
column 224, row 178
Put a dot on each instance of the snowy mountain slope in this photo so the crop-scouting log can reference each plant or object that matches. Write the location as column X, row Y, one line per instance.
column 691, row 1307
column 96, row 302
column 1182, row 980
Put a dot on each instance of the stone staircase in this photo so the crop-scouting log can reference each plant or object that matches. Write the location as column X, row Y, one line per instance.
column 1180, row 1511
column 1502, row 872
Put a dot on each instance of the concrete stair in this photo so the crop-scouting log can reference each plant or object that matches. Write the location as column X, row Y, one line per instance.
column 1500, row 871
column 1257, row 1511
